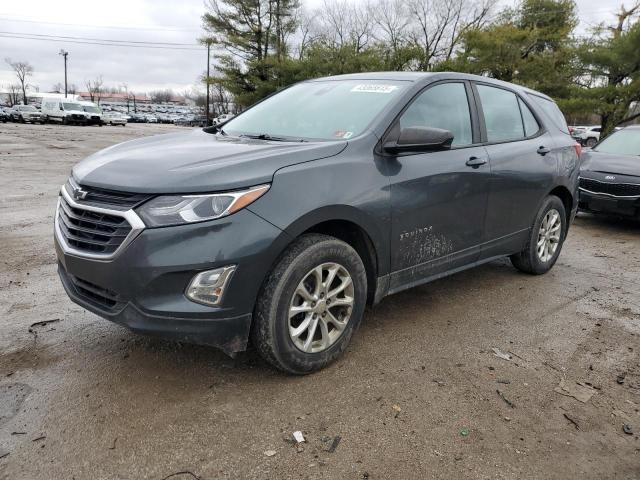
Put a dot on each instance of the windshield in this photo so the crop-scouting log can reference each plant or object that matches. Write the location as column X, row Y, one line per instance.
column 27, row 108
column 622, row 142
column 90, row 109
column 72, row 106
column 326, row 110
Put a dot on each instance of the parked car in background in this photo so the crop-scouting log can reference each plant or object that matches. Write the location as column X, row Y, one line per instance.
column 114, row 118
column 4, row 116
column 28, row 114
column 67, row 112
column 137, row 118
column 94, row 113
column 222, row 118
column 331, row 194
column 610, row 175
column 587, row 136
column 12, row 113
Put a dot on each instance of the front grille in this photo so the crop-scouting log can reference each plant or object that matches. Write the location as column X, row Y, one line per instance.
column 615, row 189
column 93, row 293
column 107, row 198
column 91, row 232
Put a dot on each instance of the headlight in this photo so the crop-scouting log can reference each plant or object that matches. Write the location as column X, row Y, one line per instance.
column 179, row 209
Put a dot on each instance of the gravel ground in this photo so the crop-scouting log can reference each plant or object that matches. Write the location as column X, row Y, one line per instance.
column 419, row 394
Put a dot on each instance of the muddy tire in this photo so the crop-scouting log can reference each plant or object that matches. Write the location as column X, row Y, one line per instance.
column 545, row 239
column 300, row 323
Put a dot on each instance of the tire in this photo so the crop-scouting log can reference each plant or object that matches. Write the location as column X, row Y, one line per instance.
column 591, row 142
column 270, row 333
column 530, row 260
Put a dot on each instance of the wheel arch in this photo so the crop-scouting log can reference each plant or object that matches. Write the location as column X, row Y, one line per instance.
column 353, row 227
column 564, row 194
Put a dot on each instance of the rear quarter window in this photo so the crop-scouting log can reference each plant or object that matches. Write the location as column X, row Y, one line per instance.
column 552, row 111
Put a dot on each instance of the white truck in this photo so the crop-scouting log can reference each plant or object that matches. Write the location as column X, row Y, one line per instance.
column 65, row 111
column 94, row 111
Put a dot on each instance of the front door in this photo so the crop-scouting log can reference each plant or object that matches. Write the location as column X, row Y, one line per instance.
column 439, row 198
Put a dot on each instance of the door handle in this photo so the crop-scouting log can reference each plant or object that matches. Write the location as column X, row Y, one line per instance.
column 475, row 162
column 543, row 150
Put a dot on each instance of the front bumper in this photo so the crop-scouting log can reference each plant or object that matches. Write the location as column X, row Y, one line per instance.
column 143, row 286
column 598, row 203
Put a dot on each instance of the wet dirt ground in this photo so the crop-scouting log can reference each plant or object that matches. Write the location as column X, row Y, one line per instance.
column 419, row 394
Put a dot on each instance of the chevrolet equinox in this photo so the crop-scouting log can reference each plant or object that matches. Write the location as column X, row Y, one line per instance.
column 279, row 226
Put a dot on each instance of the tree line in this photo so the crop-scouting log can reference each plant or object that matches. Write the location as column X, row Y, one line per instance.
column 265, row 45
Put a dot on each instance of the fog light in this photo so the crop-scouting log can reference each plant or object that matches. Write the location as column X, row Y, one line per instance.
column 208, row 287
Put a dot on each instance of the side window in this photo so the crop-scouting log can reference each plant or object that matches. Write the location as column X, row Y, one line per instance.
column 501, row 114
column 443, row 106
column 531, row 126
column 551, row 109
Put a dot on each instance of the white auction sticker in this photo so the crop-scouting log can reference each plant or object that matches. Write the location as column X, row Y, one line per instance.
column 374, row 88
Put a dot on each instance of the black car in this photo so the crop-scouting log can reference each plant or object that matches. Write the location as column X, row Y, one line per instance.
column 4, row 116
column 610, row 175
column 284, row 223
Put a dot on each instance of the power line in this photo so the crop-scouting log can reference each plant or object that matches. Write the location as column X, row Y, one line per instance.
column 162, row 47
column 8, row 18
column 101, row 39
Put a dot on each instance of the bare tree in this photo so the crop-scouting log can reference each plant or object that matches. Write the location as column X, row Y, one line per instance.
column 23, row 70
column 95, row 88
column 13, row 94
column 58, row 88
column 439, row 25
column 392, row 20
column 624, row 16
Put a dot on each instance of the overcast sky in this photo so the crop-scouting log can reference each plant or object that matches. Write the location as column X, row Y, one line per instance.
column 143, row 69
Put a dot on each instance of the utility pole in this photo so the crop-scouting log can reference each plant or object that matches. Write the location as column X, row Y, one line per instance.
column 207, row 80
column 64, row 53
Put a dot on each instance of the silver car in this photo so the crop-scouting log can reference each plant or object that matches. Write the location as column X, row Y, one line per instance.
column 28, row 113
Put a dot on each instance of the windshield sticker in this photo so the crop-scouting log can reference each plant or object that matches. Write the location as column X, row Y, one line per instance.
column 373, row 88
column 342, row 134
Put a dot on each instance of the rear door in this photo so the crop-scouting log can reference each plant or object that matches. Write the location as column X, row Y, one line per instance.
column 438, row 199
column 523, row 167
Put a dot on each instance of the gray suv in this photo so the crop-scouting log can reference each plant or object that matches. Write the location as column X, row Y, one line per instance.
column 279, row 226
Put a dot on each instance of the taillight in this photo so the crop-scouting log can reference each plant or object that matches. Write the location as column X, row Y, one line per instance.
column 578, row 148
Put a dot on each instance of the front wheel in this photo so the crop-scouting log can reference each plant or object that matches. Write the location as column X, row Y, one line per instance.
column 546, row 239
column 310, row 304
column 591, row 142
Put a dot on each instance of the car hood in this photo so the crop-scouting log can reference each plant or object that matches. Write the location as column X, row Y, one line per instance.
column 194, row 161
column 595, row 161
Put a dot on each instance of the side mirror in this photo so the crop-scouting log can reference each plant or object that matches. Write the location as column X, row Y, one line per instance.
column 420, row 139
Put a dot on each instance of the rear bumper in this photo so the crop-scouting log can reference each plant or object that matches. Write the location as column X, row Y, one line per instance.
column 600, row 203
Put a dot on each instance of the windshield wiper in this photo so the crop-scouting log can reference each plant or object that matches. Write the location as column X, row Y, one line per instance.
column 273, row 138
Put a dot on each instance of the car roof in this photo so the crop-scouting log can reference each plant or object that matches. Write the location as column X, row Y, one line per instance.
column 428, row 77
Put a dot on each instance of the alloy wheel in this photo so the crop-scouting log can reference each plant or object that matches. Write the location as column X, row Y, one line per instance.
column 549, row 235
column 321, row 307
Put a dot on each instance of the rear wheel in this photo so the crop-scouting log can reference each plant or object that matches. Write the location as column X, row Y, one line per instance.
column 591, row 142
column 546, row 239
column 310, row 304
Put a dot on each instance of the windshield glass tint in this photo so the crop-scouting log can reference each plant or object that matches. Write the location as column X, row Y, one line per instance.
column 622, row 142
column 72, row 106
column 327, row 110
column 92, row 109
column 27, row 108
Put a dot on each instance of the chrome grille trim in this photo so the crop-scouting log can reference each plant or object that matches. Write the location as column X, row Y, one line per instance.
column 129, row 215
